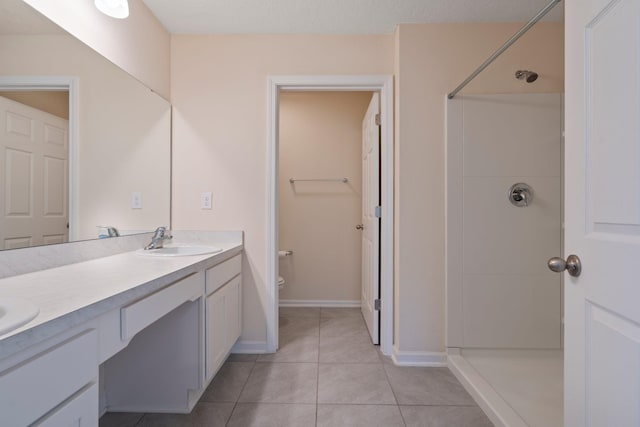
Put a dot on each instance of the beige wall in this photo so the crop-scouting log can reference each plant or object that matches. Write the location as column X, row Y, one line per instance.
column 139, row 44
column 220, row 128
column 321, row 137
column 53, row 102
column 123, row 132
column 432, row 59
column 219, row 93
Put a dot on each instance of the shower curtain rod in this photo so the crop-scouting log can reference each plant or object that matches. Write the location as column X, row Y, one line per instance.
column 505, row 46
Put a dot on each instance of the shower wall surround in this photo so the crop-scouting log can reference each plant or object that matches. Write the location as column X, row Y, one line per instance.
column 500, row 293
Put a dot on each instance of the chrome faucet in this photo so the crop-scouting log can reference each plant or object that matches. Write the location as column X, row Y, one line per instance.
column 158, row 239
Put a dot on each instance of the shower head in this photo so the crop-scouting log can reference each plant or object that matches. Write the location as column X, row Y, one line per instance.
column 528, row 76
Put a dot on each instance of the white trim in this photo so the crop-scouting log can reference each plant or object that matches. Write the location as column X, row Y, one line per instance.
column 383, row 84
column 69, row 84
column 453, row 221
column 273, row 110
column 494, row 406
column 249, row 347
column 318, row 303
column 419, row 358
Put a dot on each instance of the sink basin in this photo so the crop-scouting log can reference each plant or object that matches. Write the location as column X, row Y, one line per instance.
column 179, row 251
column 15, row 312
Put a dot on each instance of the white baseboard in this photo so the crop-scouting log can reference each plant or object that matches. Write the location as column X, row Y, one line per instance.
column 318, row 303
column 493, row 405
column 249, row 347
column 419, row 358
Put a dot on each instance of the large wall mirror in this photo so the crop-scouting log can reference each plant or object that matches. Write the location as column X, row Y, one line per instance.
column 83, row 145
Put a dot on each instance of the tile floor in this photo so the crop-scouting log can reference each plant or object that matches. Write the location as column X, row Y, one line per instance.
column 326, row 373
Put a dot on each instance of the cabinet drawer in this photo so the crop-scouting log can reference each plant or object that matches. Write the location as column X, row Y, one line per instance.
column 140, row 314
column 79, row 411
column 35, row 387
column 220, row 274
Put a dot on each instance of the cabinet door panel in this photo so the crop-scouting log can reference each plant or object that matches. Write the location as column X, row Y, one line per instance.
column 233, row 320
column 216, row 331
column 223, row 323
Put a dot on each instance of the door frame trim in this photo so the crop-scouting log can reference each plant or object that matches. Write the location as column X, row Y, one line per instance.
column 69, row 84
column 375, row 83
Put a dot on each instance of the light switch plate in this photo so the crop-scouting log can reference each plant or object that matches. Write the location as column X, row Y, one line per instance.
column 136, row 200
column 206, row 200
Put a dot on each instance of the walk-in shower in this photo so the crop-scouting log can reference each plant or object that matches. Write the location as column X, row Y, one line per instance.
column 504, row 210
column 504, row 221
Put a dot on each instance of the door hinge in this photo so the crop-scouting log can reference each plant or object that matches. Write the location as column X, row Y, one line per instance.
column 377, row 304
column 378, row 120
column 378, row 211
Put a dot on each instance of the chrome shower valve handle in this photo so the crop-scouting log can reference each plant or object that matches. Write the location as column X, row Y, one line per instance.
column 520, row 195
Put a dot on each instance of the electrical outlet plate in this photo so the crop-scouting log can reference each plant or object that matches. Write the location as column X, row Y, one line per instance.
column 206, row 200
column 136, row 200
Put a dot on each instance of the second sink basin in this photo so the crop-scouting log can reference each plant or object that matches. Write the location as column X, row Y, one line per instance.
column 179, row 251
column 15, row 312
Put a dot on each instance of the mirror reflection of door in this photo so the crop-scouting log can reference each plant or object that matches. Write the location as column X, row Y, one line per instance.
column 34, row 172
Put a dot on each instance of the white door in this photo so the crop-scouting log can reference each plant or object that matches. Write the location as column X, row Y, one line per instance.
column 34, row 176
column 370, row 221
column 602, row 214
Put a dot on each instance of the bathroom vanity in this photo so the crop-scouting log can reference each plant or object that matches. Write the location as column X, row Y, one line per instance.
column 125, row 332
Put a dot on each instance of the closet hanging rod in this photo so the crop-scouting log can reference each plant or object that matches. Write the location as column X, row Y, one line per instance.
column 505, row 46
column 344, row 180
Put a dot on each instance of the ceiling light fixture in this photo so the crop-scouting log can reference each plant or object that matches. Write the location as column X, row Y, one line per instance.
column 113, row 8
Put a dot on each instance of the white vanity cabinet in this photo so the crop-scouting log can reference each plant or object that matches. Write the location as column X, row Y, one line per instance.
column 154, row 351
column 161, row 364
column 223, row 312
column 57, row 386
column 180, row 336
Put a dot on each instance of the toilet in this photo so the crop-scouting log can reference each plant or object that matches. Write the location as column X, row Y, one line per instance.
column 283, row 254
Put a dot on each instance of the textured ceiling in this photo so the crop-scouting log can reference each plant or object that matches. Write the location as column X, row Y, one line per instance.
column 333, row 16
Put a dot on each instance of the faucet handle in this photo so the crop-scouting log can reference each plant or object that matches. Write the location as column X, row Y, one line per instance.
column 160, row 233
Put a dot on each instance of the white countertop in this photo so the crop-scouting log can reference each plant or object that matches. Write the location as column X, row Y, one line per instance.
column 69, row 295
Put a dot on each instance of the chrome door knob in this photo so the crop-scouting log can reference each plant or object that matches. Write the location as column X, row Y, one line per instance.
column 360, row 227
column 572, row 265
